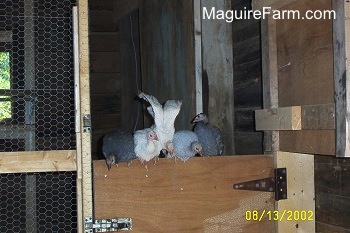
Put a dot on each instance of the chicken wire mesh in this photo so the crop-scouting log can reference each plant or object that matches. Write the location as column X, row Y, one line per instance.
column 37, row 112
column 36, row 75
column 49, row 206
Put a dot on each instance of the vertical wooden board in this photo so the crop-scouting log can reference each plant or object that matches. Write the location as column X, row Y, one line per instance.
column 196, row 196
column 341, row 41
column 302, row 46
column 167, row 54
column 300, row 191
column 131, row 109
column 269, row 77
column 217, row 45
column 85, row 106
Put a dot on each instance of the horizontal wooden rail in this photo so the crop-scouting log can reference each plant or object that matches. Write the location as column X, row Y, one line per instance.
column 38, row 161
column 308, row 117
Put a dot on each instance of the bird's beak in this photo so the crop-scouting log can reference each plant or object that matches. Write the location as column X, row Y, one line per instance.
column 156, row 138
column 109, row 166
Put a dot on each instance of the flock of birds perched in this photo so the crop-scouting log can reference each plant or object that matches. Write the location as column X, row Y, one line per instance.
column 147, row 144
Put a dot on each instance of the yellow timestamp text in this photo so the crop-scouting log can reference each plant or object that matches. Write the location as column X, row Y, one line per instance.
column 275, row 215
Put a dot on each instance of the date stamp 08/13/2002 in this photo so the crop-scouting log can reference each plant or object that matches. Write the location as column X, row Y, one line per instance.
column 275, row 215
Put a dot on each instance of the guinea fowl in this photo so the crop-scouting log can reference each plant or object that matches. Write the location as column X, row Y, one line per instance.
column 118, row 146
column 186, row 144
column 146, row 144
column 164, row 117
column 209, row 136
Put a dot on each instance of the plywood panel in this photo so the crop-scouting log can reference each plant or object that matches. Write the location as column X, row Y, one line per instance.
column 196, row 196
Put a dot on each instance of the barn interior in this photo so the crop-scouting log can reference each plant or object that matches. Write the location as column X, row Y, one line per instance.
column 152, row 46
column 149, row 48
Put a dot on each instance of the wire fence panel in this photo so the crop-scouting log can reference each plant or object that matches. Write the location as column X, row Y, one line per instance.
column 37, row 112
column 37, row 81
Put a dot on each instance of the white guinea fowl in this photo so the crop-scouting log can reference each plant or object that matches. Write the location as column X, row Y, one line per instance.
column 164, row 117
column 146, row 144
column 209, row 136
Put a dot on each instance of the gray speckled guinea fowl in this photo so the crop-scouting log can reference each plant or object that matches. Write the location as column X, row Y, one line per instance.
column 209, row 136
column 186, row 145
column 118, row 146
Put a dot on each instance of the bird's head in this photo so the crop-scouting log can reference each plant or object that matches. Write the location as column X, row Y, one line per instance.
column 197, row 147
column 170, row 148
column 201, row 117
column 110, row 161
column 152, row 135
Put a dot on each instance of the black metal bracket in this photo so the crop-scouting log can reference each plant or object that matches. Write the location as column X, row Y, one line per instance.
column 276, row 184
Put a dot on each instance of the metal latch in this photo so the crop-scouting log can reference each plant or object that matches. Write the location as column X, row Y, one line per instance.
column 107, row 225
column 87, row 123
column 276, row 184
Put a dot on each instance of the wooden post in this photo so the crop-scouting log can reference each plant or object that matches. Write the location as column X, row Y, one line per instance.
column 341, row 42
column 269, row 77
column 198, row 54
column 84, row 69
column 218, row 65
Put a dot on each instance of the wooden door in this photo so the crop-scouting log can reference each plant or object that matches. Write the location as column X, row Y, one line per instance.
column 196, row 196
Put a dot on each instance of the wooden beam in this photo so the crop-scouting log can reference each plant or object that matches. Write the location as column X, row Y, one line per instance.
column 198, row 54
column 274, row 4
column 287, row 118
column 123, row 8
column 296, row 118
column 38, row 161
column 269, row 77
column 341, row 42
column 84, row 71
column 318, row 116
column 300, row 192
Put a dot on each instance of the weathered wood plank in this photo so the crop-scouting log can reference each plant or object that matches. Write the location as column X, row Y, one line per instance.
column 105, row 83
column 269, row 77
column 308, row 141
column 341, row 42
column 106, row 104
column 122, row 8
column 326, row 228
column 300, row 191
column 105, row 62
column 218, row 64
column 248, row 143
column 318, row 116
column 37, row 161
column 329, row 209
column 196, row 196
column 106, row 121
column 105, row 25
column 287, row 118
column 104, row 42
column 274, row 4
column 247, row 84
column 130, row 70
column 247, row 50
column 245, row 29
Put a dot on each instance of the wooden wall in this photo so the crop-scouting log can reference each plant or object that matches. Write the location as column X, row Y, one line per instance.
column 167, row 54
column 247, row 82
column 305, row 73
column 105, row 80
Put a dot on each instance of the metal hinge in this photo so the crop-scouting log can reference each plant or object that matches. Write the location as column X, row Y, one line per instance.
column 276, row 184
column 107, row 225
column 87, row 123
